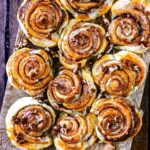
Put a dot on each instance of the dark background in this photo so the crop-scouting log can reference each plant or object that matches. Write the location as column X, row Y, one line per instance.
column 8, row 31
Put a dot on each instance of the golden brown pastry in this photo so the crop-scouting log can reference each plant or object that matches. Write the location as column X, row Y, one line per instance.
column 118, row 120
column 28, row 124
column 87, row 10
column 30, row 70
column 119, row 73
column 75, row 132
column 134, row 63
column 42, row 21
column 130, row 23
column 72, row 91
column 80, row 41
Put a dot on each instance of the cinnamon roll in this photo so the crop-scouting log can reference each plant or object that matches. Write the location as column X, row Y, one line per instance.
column 42, row 21
column 119, row 73
column 71, row 91
column 130, row 23
column 75, row 132
column 29, row 70
column 87, row 10
column 118, row 120
column 28, row 124
column 80, row 41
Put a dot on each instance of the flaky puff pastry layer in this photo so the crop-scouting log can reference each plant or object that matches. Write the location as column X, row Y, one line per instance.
column 42, row 21
column 80, row 41
column 28, row 124
column 75, row 132
column 131, row 23
column 72, row 91
column 87, row 10
column 118, row 119
column 118, row 74
column 30, row 70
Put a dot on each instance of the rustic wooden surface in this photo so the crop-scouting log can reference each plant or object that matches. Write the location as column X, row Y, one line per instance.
column 8, row 31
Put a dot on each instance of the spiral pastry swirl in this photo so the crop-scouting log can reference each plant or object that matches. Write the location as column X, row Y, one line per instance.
column 42, row 21
column 70, row 91
column 29, row 70
column 80, row 41
column 131, row 23
column 76, row 132
column 28, row 124
column 87, row 10
column 118, row 120
column 134, row 63
column 118, row 74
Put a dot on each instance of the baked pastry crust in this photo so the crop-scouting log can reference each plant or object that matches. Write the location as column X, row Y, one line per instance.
column 135, row 63
column 42, row 21
column 28, row 123
column 87, row 10
column 118, row 119
column 30, row 70
column 75, row 132
column 130, row 24
column 71, row 91
column 80, row 41
column 118, row 74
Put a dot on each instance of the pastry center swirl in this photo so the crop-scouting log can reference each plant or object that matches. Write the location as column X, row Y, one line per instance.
column 130, row 25
column 127, row 29
column 33, row 121
column 44, row 17
column 112, row 123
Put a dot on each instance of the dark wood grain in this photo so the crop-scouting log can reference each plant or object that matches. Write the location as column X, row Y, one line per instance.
column 13, row 23
column 2, row 48
column 8, row 8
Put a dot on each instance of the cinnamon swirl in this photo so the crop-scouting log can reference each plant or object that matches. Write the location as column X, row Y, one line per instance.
column 130, row 23
column 75, row 132
column 72, row 91
column 79, row 42
column 30, row 70
column 28, row 124
column 118, row 74
column 42, row 21
column 118, row 120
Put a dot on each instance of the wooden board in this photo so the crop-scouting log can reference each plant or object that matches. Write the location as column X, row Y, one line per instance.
column 12, row 94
